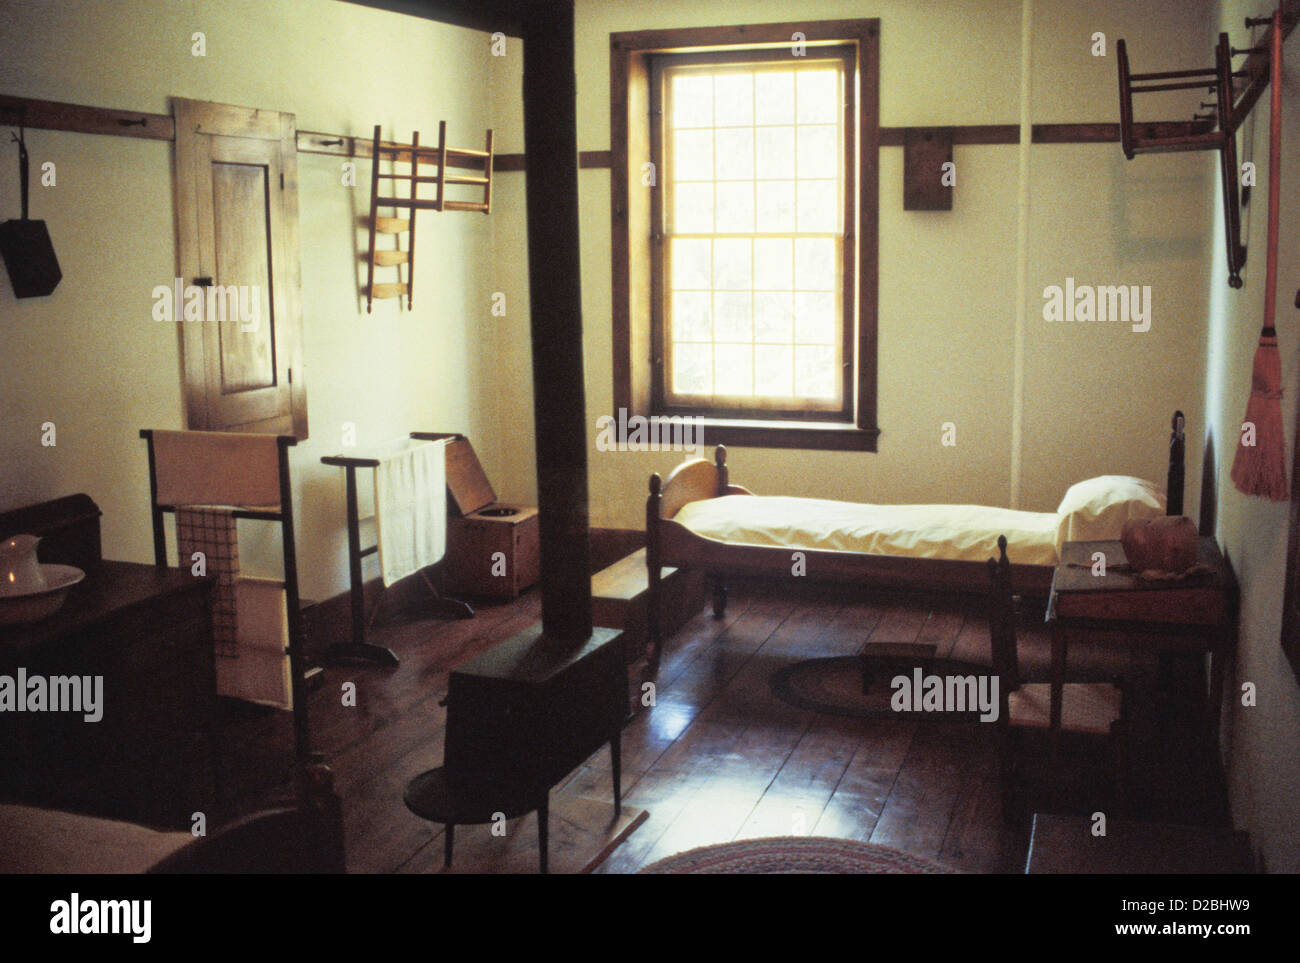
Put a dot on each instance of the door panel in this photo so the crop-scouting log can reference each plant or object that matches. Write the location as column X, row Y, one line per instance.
column 241, row 229
column 237, row 231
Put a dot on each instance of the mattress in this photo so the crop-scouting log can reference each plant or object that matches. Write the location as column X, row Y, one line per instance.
column 957, row 532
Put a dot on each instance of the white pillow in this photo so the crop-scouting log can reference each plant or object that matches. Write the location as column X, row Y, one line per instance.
column 1096, row 509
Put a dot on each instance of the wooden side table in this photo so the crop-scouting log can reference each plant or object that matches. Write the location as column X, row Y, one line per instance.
column 1196, row 614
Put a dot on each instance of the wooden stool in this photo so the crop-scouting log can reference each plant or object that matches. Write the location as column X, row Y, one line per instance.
column 453, row 799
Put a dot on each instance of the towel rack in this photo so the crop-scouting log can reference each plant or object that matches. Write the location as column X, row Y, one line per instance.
column 358, row 649
column 217, row 484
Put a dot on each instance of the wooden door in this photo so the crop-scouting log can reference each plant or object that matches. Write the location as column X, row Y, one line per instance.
column 237, row 243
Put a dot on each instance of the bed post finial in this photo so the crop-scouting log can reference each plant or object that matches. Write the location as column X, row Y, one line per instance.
column 656, row 484
column 720, row 461
column 1175, row 480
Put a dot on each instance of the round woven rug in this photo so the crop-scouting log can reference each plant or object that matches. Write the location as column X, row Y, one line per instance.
column 794, row 854
column 835, row 685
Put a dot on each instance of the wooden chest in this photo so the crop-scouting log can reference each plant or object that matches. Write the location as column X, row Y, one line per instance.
column 146, row 634
column 492, row 549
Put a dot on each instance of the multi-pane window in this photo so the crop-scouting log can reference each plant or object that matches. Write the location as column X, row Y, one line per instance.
column 753, row 288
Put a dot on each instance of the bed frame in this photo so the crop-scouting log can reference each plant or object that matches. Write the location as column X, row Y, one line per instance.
column 671, row 543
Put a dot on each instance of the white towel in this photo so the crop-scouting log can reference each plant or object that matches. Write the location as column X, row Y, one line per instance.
column 259, row 671
column 411, row 507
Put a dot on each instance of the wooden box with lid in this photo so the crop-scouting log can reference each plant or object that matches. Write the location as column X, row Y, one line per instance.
column 492, row 548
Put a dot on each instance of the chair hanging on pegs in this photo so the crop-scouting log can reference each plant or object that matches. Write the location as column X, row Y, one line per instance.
column 1235, row 94
column 413, row 155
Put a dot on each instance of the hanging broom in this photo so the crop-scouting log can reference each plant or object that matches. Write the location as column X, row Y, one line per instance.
column 1260, row 468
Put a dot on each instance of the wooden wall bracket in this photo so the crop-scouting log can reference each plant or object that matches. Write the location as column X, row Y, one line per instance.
column 926, row 151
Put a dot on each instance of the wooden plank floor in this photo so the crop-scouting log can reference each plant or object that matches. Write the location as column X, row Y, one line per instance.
column 718, row 756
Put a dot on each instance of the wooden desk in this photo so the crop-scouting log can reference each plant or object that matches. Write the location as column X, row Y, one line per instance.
column 1196, row 614
column 148, row 632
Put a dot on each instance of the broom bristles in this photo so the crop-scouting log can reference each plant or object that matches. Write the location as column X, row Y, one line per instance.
column 1260, row 469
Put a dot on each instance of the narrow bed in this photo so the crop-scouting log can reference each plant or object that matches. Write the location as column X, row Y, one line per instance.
column 698, row 519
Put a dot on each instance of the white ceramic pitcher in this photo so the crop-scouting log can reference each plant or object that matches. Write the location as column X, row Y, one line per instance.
column 20, row 572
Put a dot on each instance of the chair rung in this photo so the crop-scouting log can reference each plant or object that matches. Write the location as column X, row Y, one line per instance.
column 417, row 204
column 465, row 206
column 419, row 179
column 378, row 291
column 392, row 225
column 464, row 179
column 390, row 258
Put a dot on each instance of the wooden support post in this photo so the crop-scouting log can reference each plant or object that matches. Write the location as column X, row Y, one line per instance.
column 551, row 135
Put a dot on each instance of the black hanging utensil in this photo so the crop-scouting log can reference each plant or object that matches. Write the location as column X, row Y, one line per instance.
column 25, row 244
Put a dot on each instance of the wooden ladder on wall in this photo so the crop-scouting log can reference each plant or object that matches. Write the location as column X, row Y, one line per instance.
column 413, row 155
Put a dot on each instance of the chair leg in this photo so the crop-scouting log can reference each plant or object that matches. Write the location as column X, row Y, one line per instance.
column 616, row 763
column 447, row 843
column 1006, row 775
column 1118, row 734
column 543, row 829
column 719, row 596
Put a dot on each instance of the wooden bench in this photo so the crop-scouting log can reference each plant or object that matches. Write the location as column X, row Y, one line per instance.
column 619, row 598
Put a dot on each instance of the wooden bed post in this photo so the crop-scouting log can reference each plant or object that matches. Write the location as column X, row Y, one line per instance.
column 654, row 623
column 717, row 578
column 1174, row 482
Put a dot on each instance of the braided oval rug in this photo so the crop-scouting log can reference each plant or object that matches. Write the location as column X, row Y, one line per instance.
column 794, row 854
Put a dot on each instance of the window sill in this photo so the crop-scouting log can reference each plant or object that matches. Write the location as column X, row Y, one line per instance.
column 812, row 436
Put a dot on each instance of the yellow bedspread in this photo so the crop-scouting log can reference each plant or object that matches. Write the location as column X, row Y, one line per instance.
column 960, row 532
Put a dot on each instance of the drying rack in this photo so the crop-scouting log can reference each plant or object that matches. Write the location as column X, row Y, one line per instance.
column 217, row 491
column 1235, row 94
column 413, row 155
column 358, row 648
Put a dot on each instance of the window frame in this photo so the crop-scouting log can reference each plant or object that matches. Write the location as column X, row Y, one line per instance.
column 661, row 402
column 633, row 345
